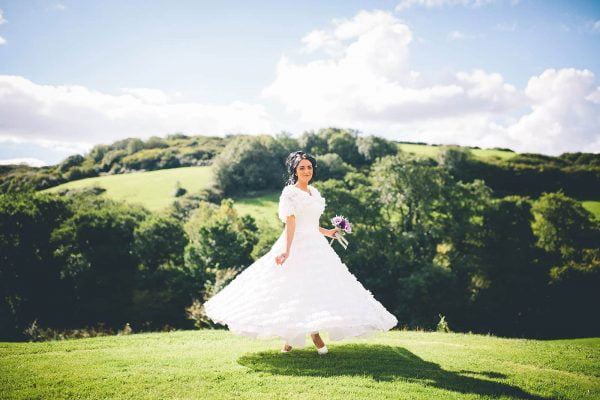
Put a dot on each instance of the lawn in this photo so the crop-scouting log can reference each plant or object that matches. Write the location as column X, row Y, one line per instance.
column 216, row 364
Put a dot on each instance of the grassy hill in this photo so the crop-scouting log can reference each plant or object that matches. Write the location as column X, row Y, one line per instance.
column 432, row 151
column 216, row 364
column 593, row 207
column 154, row 189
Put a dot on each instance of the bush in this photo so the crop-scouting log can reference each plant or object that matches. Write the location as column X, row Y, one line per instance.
column 250, row 163
column 373, row 147
column 331, row 166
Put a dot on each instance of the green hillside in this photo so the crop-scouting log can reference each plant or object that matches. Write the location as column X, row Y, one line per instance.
column 216, row 364
column 593, row 207
column 153, row 189
column 432, row 151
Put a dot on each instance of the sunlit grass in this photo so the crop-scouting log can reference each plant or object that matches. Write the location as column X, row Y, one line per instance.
column 263, row 208
column 433, row 151
column 215, row 364
column 153, row 189
column 593, row 207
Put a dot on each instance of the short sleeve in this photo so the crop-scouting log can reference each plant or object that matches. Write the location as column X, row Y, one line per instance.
column 287, row 206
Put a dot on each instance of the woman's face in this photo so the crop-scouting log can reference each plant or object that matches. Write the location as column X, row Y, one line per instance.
column 304, row 171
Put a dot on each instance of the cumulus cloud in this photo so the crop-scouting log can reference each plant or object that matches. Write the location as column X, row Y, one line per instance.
column 2, row 41
column 2, row 20
column 565, row 113
column 32, row 162
column 368, row 84
column 75, row 116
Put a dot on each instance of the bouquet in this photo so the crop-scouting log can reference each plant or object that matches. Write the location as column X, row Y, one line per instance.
column 342, row 226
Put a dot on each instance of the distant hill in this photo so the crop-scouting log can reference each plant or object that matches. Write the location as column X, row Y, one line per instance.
column 159, row 163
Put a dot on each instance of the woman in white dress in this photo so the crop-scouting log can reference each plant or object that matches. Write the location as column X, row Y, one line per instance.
column 301, row 285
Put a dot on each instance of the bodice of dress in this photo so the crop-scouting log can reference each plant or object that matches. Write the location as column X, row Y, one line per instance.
column 305, row 207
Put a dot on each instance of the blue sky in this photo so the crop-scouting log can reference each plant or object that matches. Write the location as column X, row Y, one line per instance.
column 519, row 74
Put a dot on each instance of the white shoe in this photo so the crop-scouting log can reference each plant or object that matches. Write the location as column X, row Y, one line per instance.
column 286, row 351
column 322, row 350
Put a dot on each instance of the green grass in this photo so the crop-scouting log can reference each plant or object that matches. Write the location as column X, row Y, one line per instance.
column 432, row 151
column 216, row 364
column 263, row 208
column 152, row 189
column 593, row 207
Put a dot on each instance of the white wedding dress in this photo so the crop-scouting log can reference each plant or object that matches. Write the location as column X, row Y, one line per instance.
column 311, row 291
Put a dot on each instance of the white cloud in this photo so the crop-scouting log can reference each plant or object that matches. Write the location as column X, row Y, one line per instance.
column 60, row 6
column 404, row 4
column 319, row 40
column 368, row 85
column 148, row 96
column 2, row 20
column 595, row 26
column 78, row 117
column 565, row 113
column 506, row 27
column 32, row 162
column 2, row 41
column 456, row 35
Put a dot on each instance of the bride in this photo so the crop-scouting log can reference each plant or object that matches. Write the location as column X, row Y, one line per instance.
column 301, row 285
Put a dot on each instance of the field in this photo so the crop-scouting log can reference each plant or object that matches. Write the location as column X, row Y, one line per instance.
column 153, row 189
column 593, row 207
column 432, row 151
column 216, row 364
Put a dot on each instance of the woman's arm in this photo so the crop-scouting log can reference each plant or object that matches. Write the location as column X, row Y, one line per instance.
column 327, row 232
column 290, row 228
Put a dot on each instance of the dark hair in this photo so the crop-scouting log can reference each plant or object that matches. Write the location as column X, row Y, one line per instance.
column 292, row 161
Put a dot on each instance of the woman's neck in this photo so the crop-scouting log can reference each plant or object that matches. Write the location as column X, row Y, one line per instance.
column 304, row 187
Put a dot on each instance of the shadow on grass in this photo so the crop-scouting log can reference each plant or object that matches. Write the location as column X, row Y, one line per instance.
column 382, row 363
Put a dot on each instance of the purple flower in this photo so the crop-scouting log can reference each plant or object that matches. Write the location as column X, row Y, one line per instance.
column 343, row 226
column 337, row 220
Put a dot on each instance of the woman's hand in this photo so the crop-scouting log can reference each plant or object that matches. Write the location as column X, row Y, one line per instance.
column 280, row 259
column 331, row 233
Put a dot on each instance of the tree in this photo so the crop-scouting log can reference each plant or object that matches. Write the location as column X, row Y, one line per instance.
column 164, row 284
column 95, row 247
column 372, row 147
column 509, row 288
column 432, row 225
column 562, row 225
column 30, row 282
column 250, row 163
column 568, row 232
column 313, row 143
column 343, row 143
column 331, row 166
column 219, row 238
